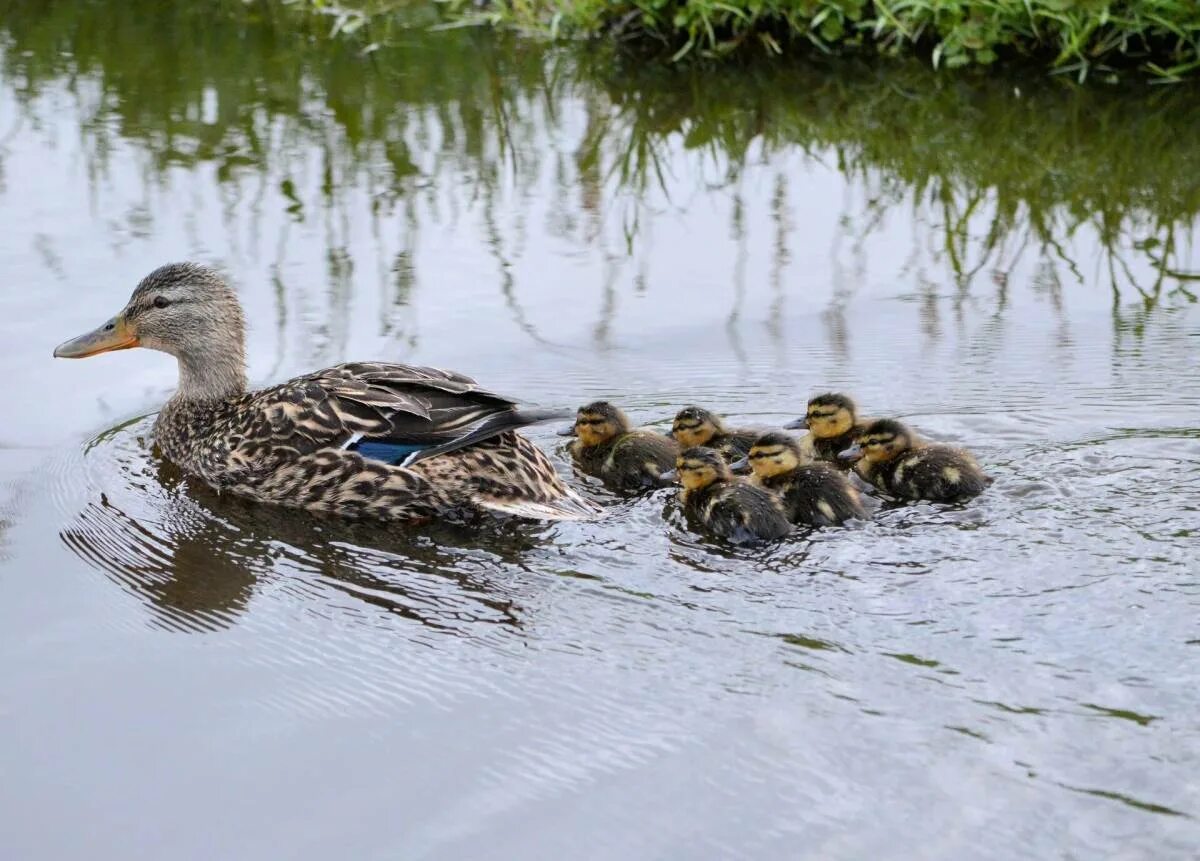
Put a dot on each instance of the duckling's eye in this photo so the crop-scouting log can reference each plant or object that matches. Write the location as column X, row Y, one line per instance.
column 161, row 302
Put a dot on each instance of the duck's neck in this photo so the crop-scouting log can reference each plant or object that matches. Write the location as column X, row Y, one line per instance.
column 210, row 376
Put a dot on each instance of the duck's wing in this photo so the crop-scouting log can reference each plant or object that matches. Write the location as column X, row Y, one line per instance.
column 387, row 412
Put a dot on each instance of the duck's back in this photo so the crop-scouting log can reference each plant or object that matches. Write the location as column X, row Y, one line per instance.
column 352, row 440
column 738, row 511
column 637, row 459
column 817, row 494
column 938, row 473
column 735, row 444
column 827, row 449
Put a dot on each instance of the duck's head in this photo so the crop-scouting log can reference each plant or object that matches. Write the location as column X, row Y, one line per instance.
column 828, row 415
column 697, row 468
column 597, row 423
column 772, row 454
column 188, row 311
column 695, row 426
column 880, row 441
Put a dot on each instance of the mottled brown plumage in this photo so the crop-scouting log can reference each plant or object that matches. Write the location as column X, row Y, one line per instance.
column 812, row 493
column 448, row 444
column 624, row 459
column 724, row 505
column 894, row 459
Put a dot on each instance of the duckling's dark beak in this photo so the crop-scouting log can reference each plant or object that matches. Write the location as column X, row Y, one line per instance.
column 669, row 476
column 569, row 430
column 116, row 334
column 797, row 424
column 855, row 452
column 742, row 465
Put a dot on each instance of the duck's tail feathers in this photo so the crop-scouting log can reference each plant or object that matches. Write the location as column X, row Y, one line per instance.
column 490, row 427
column 567, row 506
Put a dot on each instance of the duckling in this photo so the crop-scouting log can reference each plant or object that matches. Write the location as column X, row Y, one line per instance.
column 723, row 505
column 832, row 421
column 607, row 447
column 814, row 494
column 694, row 426
column 898, row 462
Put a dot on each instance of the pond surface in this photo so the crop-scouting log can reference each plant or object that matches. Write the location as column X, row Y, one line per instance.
column 1008, row 265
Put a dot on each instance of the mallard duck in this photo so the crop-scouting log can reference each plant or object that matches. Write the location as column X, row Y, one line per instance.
column 813, row 493
column 363, row 439
column 894, row 459
column 694, row 426
column 724, row 505
column 607, row 447
column 832, row 421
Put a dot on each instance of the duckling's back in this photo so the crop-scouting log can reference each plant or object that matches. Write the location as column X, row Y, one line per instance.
column 739, row 512
column 637, row 459
column 735, row 444
column 827, row 449
column 938, row 473
column 817, row 494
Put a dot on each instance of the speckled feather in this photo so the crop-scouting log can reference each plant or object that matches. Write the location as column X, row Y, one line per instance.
column 935, row 472
column 630, row 462
column 827, row 449
column 733, row 444
column 287, row 445
column 816, row 494
column 737, row 511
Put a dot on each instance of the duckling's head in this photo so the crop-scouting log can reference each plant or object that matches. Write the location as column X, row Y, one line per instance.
column 828, row 415
column 697, row 468
column 880, row 441
column 598, row 422
column 694, row 426
column 774, row 454
column 188, row 311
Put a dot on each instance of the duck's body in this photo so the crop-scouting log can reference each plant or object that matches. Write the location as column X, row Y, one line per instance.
column 726, row 506
column 373, row 440
column 626, row 460
column 812, row 493
column 694, row 426
column 827, row 449
column 903, row 466
column 833, row 423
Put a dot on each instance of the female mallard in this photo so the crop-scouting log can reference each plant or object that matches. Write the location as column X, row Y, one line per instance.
column 832, row 421
column 694, row 426
column 724, row 505
column 898, row 462
column 812, row 493
column 363, row 439
column 607, row 447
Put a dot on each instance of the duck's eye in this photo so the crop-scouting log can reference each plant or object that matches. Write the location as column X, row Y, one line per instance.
column 161, row 302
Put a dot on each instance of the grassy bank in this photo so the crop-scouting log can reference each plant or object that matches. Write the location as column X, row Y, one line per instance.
column 1083, row 38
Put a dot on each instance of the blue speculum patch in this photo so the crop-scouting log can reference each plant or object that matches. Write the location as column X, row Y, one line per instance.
column 388, row 452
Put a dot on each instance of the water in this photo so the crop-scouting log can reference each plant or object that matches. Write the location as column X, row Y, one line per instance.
column 1009, row 265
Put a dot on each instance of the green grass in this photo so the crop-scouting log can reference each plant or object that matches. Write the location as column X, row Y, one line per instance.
column 1002, row 164
column 1083, row 38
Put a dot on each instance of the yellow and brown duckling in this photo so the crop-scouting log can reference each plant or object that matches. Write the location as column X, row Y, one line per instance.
column 812, row 493
column 694, row 426
column 724, row 505
column 832, row 422
column 894, row 459
column 625, row 459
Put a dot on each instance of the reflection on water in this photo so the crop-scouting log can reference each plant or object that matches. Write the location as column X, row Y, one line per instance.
column 196, row 558
column 1006, row 264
